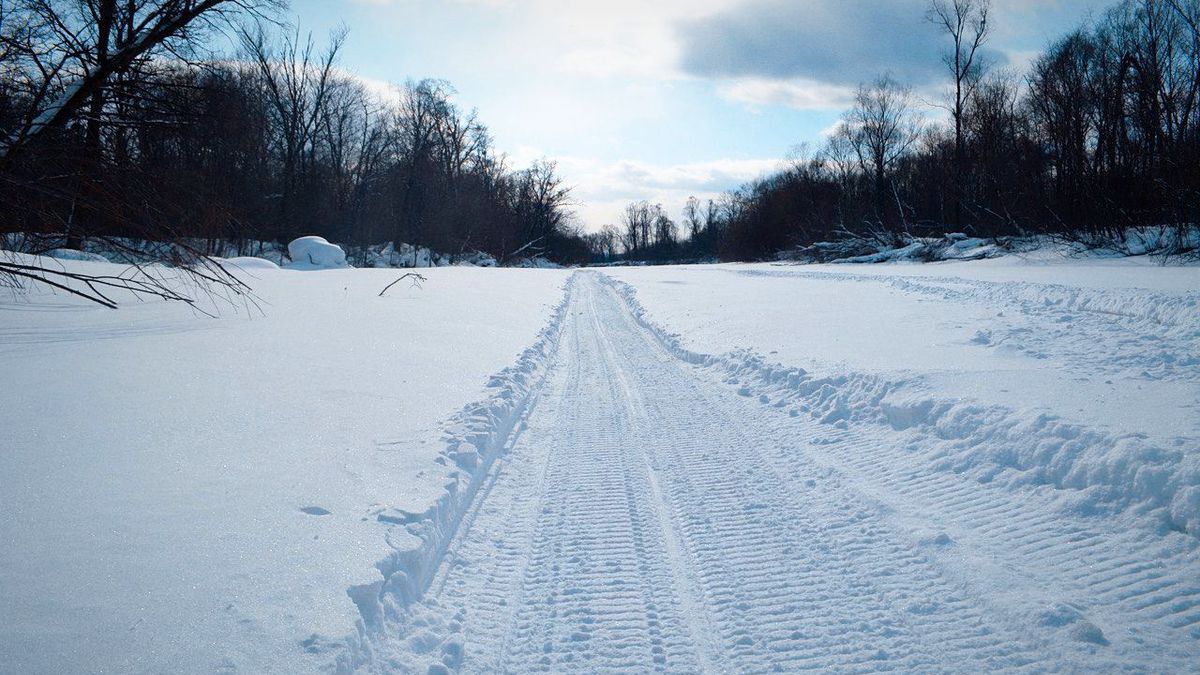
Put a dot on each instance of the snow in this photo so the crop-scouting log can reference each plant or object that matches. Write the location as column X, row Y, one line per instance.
column 1087, row 384
column 663, row 508
column 1161, row 243
column 1104, row 343
column 164, row 473
column 972, row 465
column 248, row 263
column 72, row 254
column 314, row 253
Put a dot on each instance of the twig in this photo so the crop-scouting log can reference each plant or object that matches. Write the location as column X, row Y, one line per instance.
column 416, row 282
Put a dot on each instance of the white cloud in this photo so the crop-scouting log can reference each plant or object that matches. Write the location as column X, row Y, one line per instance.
column 603, row 189
column 799, row 94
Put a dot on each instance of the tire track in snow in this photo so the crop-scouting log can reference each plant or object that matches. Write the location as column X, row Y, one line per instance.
column 661, row 540
column 651, row 519
column 795, row 580
column 1040, row 569
column 1141, row 586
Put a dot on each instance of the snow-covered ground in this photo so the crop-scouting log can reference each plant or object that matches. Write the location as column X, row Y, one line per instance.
column 184, row 494
column 1112, row 343
column 955, row 467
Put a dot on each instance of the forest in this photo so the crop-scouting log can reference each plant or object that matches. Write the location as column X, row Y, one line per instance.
column 212, row 121
column 1102, row 134
column 124, row 119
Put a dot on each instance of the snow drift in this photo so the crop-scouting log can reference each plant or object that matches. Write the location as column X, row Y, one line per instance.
column 315, row 253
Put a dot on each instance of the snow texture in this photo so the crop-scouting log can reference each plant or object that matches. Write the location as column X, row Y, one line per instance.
column 989, row 465
column 184, row 494
column 662, row 509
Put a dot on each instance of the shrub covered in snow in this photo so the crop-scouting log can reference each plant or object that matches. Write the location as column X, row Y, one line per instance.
column 954, row 246
column 315, row 253
column 537, row 263
column 72, row 254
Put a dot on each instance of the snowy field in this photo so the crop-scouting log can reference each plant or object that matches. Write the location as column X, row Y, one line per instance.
column 957, row 467
column 183, row 494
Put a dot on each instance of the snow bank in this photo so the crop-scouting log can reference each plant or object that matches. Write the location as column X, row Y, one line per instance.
column 314, row 253
column 124, row 250
column 954, row 246
column 473, row 439
column 1162, row 242
column 537, row 263
column 1096, row 471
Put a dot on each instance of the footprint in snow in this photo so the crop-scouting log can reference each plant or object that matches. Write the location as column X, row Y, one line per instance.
column 315, row 511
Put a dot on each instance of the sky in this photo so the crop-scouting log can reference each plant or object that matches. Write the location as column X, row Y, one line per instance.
column 664, row 99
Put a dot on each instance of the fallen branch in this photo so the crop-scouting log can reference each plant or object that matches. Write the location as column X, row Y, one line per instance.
column 416, row 282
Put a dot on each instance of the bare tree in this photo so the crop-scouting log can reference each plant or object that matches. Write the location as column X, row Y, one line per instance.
column 881, row 127
column 610, row 238
column 539, row 203
column 604, row 244
column 76, row 47
column 298, row 83
column 966, row 22
column 692, row 218
column 75, row 61
column 636, row 221
column 1190, row 13
column 665, row 230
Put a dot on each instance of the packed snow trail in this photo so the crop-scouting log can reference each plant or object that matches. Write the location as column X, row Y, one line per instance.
column 649, row 518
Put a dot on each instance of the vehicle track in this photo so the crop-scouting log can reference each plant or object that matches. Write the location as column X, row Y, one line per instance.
column 650, row 519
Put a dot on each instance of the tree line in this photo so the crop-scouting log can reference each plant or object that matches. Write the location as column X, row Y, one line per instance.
column 120, row 119
column 1100, row 135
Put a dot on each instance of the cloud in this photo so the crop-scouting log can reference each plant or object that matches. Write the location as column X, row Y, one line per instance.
column 839, row 43
column 809, row 53
column 799, row 94
column 603, row 189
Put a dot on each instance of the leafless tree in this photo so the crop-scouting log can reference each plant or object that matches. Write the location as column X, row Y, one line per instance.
column 692, row 217
column 966, row 23
column 881, row 127
column 79, row 62
column 637, row 220
column 604, row 244
column 298, row 82
column 72, row 49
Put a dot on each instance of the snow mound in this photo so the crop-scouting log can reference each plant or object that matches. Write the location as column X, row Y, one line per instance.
column 479, row 260
column 72, row 254
column 249, row 263
column 315, row 253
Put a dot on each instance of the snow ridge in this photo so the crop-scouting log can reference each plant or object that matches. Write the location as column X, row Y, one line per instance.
column 474, row 438
column 1091, row 472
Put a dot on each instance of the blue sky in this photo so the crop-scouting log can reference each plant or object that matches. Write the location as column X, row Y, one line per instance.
column 662, row 99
